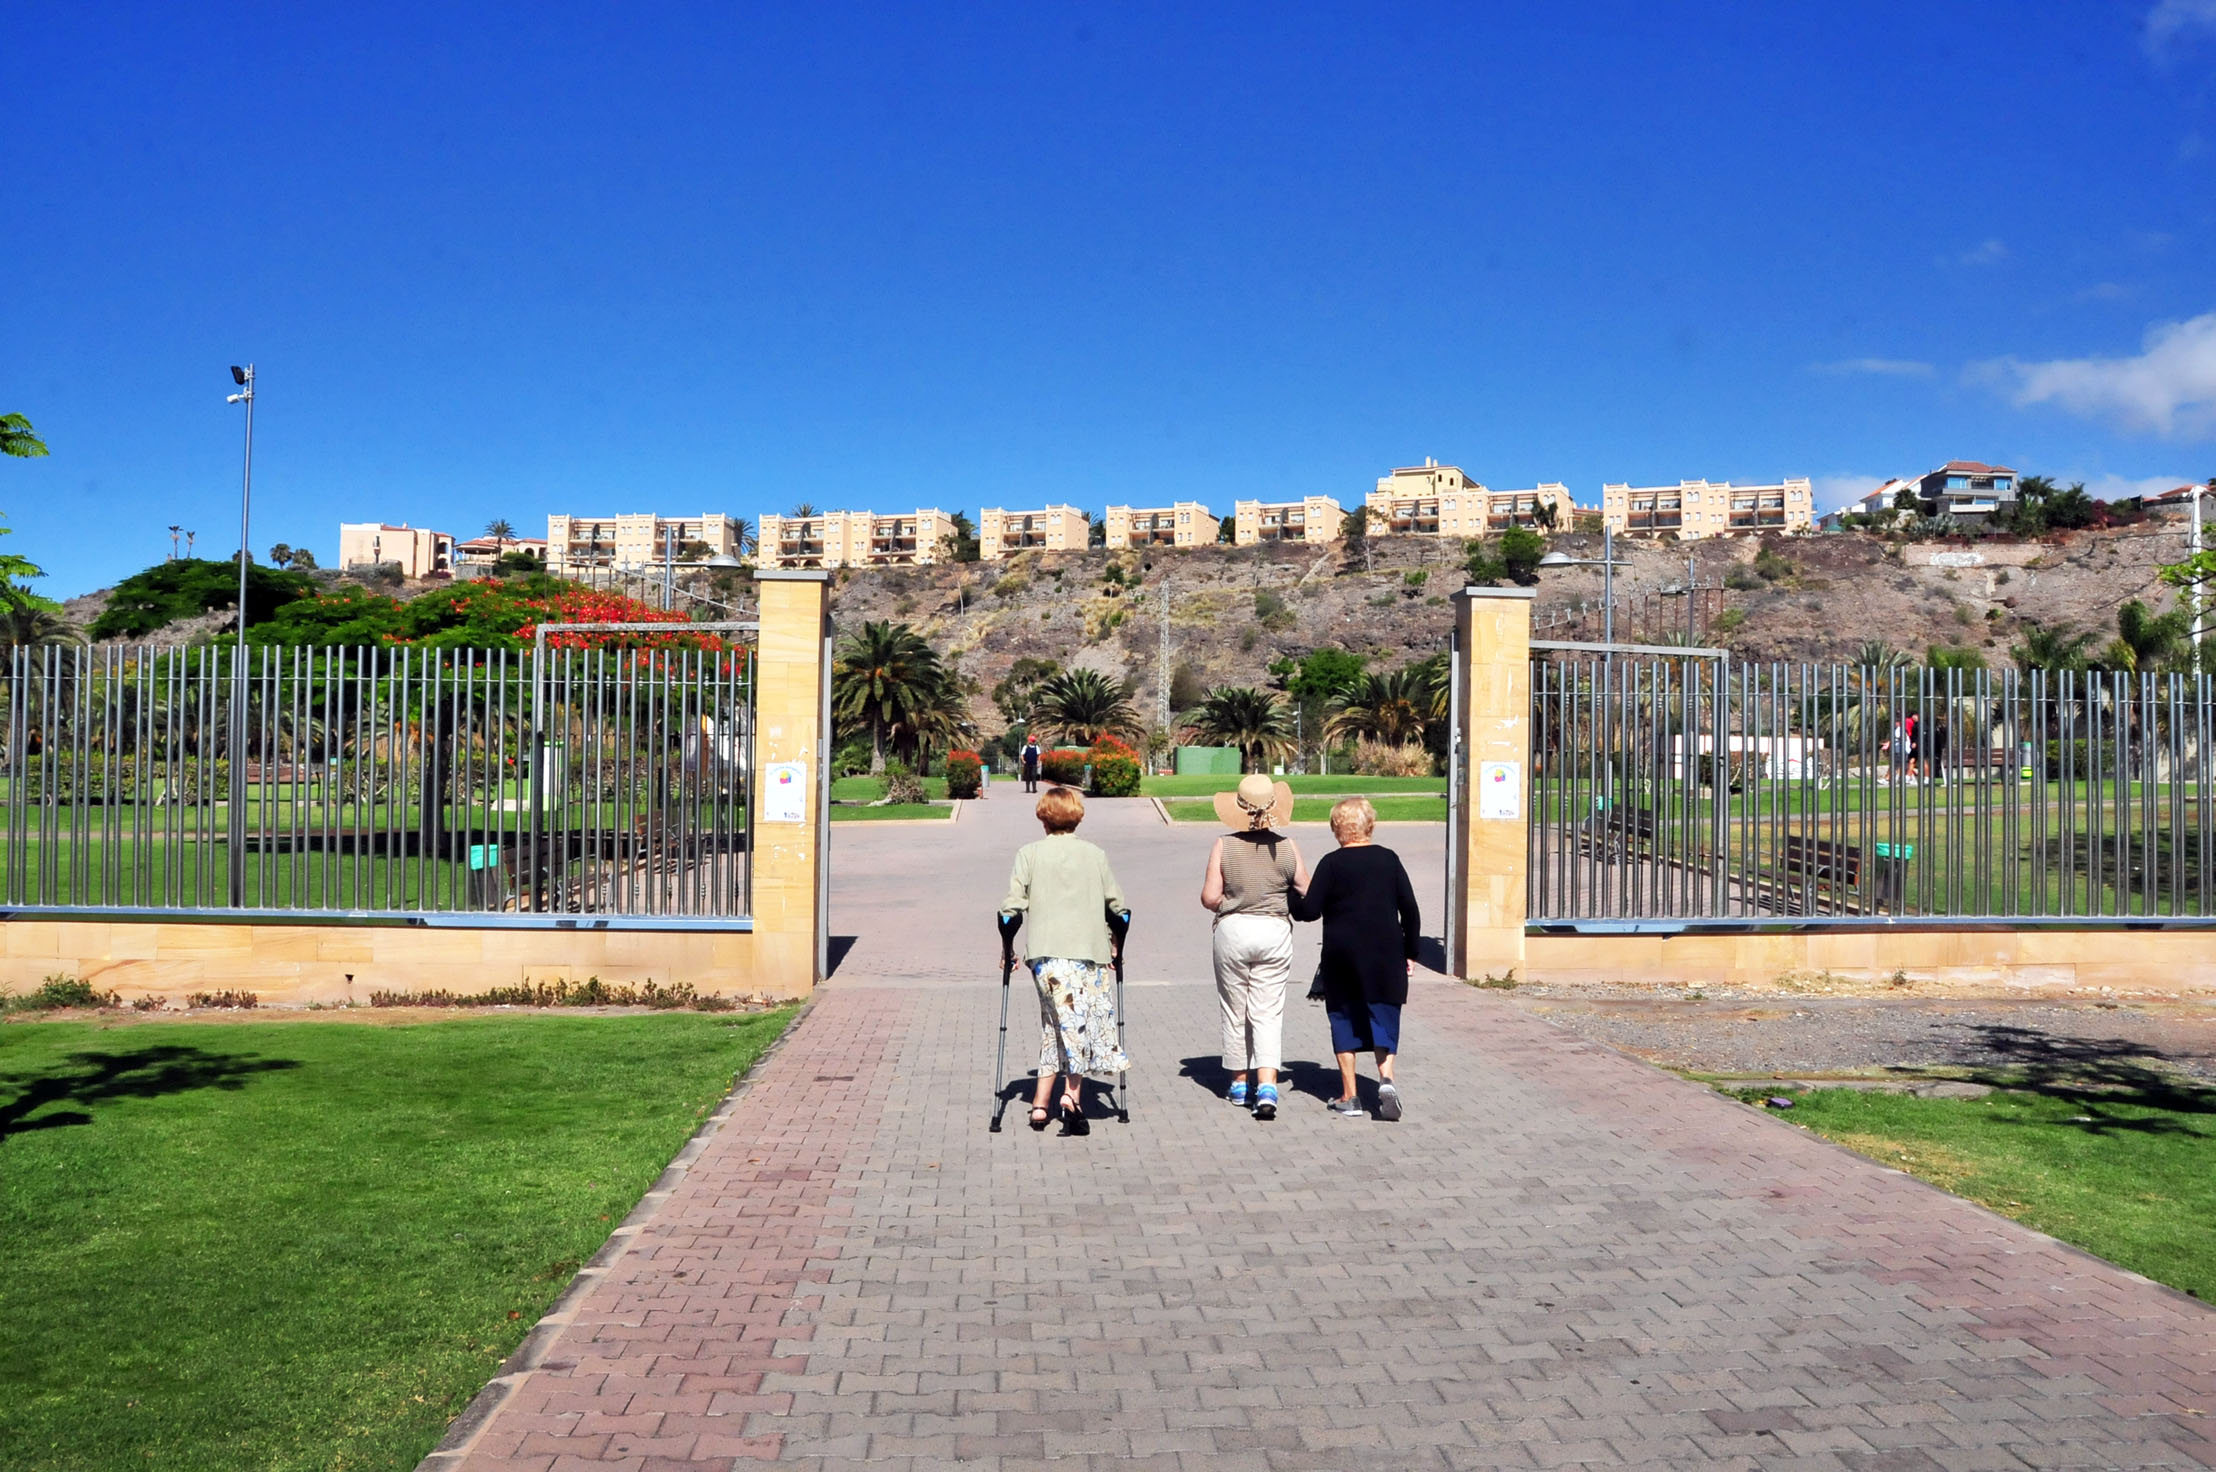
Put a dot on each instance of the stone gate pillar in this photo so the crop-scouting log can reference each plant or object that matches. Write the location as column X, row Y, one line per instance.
column 789, row 824
column 1488, row 837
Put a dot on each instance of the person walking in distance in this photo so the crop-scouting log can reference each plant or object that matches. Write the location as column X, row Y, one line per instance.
column 1030, row 765
column 1252, row 872
column 1064, row 888
column 1362, row 895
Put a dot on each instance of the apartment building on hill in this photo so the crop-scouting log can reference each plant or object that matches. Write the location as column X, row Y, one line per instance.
column 1049, row 529
column 1693, row 509
column 1313, row 519
column 1434, row 500
column 577, row 543
column 417, row 551
column 1967, row 490
column 1182, row 524
column 853, row 539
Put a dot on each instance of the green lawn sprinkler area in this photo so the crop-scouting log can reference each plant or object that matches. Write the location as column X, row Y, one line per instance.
column 2108, row 1154
column 307, row 1244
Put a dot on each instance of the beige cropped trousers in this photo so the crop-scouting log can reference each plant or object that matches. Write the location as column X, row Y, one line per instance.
column 1254, row 960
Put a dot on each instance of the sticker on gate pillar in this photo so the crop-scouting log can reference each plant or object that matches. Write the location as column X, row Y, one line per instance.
column 785, row 792
column 1500, row 791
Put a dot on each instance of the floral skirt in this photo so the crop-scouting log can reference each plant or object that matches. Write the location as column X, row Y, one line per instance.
column 1077, row 1018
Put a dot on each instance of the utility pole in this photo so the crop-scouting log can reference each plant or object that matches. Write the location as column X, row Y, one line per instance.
column 669, row 565
column 1692, row 606
column 2193, row 549
column 235, row 805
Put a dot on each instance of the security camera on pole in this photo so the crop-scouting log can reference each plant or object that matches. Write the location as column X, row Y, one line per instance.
column 236, row 805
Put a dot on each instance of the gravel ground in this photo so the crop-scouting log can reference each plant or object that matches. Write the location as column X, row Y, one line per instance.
column 1819, row 1036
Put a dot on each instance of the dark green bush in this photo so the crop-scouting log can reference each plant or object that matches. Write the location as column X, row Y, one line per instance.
column 2071, row 756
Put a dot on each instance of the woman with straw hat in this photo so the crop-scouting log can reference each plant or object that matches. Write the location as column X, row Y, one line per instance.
column 1251, row 872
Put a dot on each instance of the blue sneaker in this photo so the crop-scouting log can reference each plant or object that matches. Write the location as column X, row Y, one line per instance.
column 1265, row 1102
column 1238, row 1093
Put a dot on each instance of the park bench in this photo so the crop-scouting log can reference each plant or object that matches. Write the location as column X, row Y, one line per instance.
column 1620, row 834
column 1828, row 867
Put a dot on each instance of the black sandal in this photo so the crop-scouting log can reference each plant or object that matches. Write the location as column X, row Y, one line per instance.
column 1074, row 1121
column 1041, row 1116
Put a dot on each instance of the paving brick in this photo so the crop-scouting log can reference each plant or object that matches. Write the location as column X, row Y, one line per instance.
column 1561, row 1257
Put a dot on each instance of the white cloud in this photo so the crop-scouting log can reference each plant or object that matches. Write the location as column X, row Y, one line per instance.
column 1841, row 488
column 2172, row 18
column 2123, row 487
column 2169, row 388
column 1986, row 253
column 1883, row 367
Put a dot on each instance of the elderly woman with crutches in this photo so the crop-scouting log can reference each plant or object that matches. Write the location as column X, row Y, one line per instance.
column 1062, row 886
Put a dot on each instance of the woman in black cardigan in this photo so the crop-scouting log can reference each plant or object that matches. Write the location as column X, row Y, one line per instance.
column 1370, row 929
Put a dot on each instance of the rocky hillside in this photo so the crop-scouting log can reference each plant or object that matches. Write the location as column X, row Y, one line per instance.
column 1233, row 610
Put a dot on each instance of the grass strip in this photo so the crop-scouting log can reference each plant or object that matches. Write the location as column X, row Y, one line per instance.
column 1313, row 785
column 891, row 812
column 2115, row 1162
column 308, row 1244
column 1415, row 808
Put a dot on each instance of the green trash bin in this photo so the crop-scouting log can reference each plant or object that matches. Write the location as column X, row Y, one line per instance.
column 1892, row 875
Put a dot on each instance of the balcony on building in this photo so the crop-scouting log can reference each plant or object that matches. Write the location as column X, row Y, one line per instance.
column 1419, row 518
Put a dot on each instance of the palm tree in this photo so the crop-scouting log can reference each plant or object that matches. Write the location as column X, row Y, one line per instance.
column 1876, row 654
column 2054, row 648
column 743, row 536
column 16, row 438
column 2146, row 640
column 1255, row 721
column 804, row 508
column 501, row 530
column 1081, row 706
column 1392, row 708
column 25, row 625
column 887, row 679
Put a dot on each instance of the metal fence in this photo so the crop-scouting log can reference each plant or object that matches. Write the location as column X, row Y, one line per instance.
column 1681, row 788
column 400, row 781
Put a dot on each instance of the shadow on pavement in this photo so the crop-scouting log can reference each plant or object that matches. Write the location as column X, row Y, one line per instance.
column 835, row 948
column 141, row 1073
column 1319, row 1081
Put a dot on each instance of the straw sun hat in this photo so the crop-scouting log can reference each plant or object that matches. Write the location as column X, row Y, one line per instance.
column 1257, row 797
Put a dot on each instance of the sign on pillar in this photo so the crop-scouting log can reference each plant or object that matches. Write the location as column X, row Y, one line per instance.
column 792, row 742
column 1492, row 750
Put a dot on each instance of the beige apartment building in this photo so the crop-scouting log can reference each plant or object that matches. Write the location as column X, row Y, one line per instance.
column 1049, row 529
column 417, row 551
column 1313, row 519
column 575, row 543
column 853, row 539
column 1434, row 500
column 1184, row 524
column 1699, row 508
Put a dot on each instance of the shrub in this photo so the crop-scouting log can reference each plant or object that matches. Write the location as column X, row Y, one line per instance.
column 1741, row 578
column 60, row 991
column 243, row 1001
column 1386, row 759
column 2068, row 757
column 1270, row 611
column 965, row 774
column 902, row 785
column 1116, row 769
column 1011, row 585
column 591, row 992
column 1063, row 767
column 1773, row 566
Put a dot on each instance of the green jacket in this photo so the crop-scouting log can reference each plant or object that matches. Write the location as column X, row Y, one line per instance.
column 1064, row 888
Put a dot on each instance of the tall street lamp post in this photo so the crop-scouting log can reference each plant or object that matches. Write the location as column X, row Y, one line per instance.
column 1607, row 564
column 236, row 806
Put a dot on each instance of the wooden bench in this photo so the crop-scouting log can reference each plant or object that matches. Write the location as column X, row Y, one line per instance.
column 1620, row 834
column 1834, row 869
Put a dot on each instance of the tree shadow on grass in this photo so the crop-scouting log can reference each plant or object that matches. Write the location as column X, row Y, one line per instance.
column 2094, row 1074
column 138, row 1073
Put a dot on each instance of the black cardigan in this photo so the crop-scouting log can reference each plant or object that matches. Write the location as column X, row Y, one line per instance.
column 1370, row 924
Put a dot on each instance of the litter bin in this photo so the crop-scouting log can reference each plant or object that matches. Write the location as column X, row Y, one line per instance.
column 487, row 889
column 1892, row 875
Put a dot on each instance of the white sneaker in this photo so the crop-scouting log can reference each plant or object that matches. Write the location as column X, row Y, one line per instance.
column 1388, row 1103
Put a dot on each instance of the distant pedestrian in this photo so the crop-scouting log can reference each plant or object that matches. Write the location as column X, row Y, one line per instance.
column 1251, row 875
column 1030, row 765
column 1370, row 928
column 1064, row 888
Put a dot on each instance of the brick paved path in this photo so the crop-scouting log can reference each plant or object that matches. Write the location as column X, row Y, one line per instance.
column 1562, row 1257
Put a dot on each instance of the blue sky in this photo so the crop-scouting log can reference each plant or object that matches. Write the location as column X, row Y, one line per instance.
column 724, row 258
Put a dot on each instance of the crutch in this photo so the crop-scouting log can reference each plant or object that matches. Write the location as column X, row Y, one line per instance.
column 1009, row 925
column 1119, row 926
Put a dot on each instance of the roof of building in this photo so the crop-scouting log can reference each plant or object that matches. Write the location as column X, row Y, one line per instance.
column 1973, row 467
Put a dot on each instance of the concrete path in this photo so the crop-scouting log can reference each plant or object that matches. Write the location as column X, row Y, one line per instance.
column 1561, row 1257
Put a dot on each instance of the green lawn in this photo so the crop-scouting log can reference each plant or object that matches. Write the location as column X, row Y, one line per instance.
column 892, row 811
column 2113, row 1157
column 1334, row 786
column 870, row 789
column 307, row 1244
column 1318, row 809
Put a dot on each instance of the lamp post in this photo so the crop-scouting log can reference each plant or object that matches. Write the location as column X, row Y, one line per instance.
column 236, row 806
column 1607, row 564
column 2193, row 549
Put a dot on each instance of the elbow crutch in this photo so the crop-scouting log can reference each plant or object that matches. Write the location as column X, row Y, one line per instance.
column 1119, row 926
column 1009, row 925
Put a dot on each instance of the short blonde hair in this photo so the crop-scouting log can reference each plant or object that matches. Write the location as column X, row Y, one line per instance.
column 1061, row 809
column 1352, row 815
